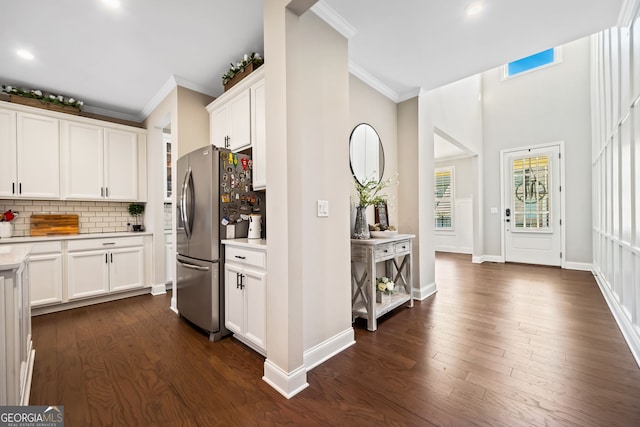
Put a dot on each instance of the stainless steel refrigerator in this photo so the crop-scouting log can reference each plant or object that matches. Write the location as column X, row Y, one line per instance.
column 215, row 195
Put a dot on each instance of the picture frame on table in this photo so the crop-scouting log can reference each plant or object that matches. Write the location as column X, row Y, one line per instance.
column 381, row 216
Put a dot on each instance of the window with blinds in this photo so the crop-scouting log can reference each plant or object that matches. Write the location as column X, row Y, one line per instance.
column 443, row 199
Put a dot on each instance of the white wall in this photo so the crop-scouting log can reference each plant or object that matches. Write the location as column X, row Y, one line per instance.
column 543, row 106
column 457, row 110
column 460, row 238
column 616, row 174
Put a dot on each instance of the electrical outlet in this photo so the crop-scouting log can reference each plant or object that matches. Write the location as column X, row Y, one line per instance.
column 323, row 208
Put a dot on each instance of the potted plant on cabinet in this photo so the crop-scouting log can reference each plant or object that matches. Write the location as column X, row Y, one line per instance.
column 136, row 210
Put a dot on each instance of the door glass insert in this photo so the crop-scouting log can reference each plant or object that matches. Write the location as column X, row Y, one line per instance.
column 531, row 204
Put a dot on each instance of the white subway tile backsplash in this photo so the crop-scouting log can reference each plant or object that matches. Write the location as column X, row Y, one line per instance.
column 94, row 217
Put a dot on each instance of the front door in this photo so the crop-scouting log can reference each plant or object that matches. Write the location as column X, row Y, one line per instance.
column 532, row 213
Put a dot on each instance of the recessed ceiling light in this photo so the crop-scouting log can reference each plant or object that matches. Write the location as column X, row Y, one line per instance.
column 115, row 4
column 474, row 9
column 24, row 54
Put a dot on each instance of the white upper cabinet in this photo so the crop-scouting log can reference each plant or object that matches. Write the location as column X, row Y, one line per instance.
column 99, row 163
column 237, row 120
column 259, row 136
column 38, row 148
column 8, row 165
column 30, row 156
column 121, row 165
column 82, row 160
column 231, row 123
column 45, row 156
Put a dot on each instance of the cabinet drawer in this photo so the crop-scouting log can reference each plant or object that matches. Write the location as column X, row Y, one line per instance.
column 246, row 256
column 384, row 250
column 42, row 248
column 117, row 242
column 402, row 248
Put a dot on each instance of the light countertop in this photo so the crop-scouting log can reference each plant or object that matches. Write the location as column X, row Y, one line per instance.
column 11, row 257
column 29, row 239
column 247, row 243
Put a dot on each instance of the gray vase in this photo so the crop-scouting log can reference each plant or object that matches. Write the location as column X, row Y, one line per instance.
column 361, row 229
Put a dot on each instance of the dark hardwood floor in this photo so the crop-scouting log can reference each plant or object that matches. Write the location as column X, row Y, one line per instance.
column 498, row 345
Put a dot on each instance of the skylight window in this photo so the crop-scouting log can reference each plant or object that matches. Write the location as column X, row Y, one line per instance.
column 532, row 62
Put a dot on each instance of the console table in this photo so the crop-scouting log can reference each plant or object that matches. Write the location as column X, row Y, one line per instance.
column 395, row 253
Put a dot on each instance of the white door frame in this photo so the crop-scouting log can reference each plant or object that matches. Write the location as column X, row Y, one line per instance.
column 563, row 235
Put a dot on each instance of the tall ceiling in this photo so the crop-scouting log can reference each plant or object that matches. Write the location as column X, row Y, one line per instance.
column 117, row 60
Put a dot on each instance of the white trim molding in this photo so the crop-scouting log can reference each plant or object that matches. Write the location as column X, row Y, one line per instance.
column 160, row 289
column 372, row 81
column 328, row 348
column 287, row 384
column 580, row 266
column 111, row 113
column 629, row 332
column 487, row 258
column 333, row 18
column 628, row 12
column 425, row 292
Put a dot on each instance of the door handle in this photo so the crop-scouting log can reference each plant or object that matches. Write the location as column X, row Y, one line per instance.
column 193, row 266
column 186, row 211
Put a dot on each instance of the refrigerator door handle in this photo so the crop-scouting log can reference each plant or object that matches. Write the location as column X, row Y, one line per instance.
column 193, row 266
column 186, row 208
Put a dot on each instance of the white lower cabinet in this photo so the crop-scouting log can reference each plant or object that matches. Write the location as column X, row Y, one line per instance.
column 100, row 266
column 245, row 295
column 45, row 272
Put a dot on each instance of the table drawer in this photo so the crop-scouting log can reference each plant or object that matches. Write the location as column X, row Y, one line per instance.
column 385, row 250
column 402, row 248
column 246, row 256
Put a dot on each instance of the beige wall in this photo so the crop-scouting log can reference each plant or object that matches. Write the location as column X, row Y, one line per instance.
column 308, row 297
column 193, row 120
column 366, row 105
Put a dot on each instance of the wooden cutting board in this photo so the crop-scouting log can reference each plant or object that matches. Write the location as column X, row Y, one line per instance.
column 47, row 225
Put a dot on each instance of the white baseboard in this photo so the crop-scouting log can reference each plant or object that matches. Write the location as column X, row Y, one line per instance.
column 487, row 258
column 425, row 291
column 328, row 348
column 630, row 333
column 454, row 250
column 580, row 266
column 287, row 384
column 158, row 289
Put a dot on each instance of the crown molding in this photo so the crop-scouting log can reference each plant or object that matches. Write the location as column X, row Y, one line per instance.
column 111, row 113
column 372, row 81
column 409, row 94
column 331, row 17
column 158, row 98
column 194, row 86
column 628, row 12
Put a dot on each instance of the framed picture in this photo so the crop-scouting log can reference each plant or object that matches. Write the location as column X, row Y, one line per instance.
column 381, row 216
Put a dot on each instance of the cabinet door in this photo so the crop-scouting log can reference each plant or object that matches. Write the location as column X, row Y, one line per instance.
column 82, row 161
column 121, row 164
column 88, row 273
column 38, row 151
column 45, row 279
column 233, row 299
column 258, row 134
column 240, row 121
column 255, row 288
column 220, row 126
column 126, row 268
column 8, row 172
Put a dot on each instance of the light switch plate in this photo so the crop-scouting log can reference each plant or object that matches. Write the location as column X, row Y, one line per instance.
column 323, row 208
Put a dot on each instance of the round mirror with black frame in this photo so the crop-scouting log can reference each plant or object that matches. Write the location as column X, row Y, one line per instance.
column 366, row 155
